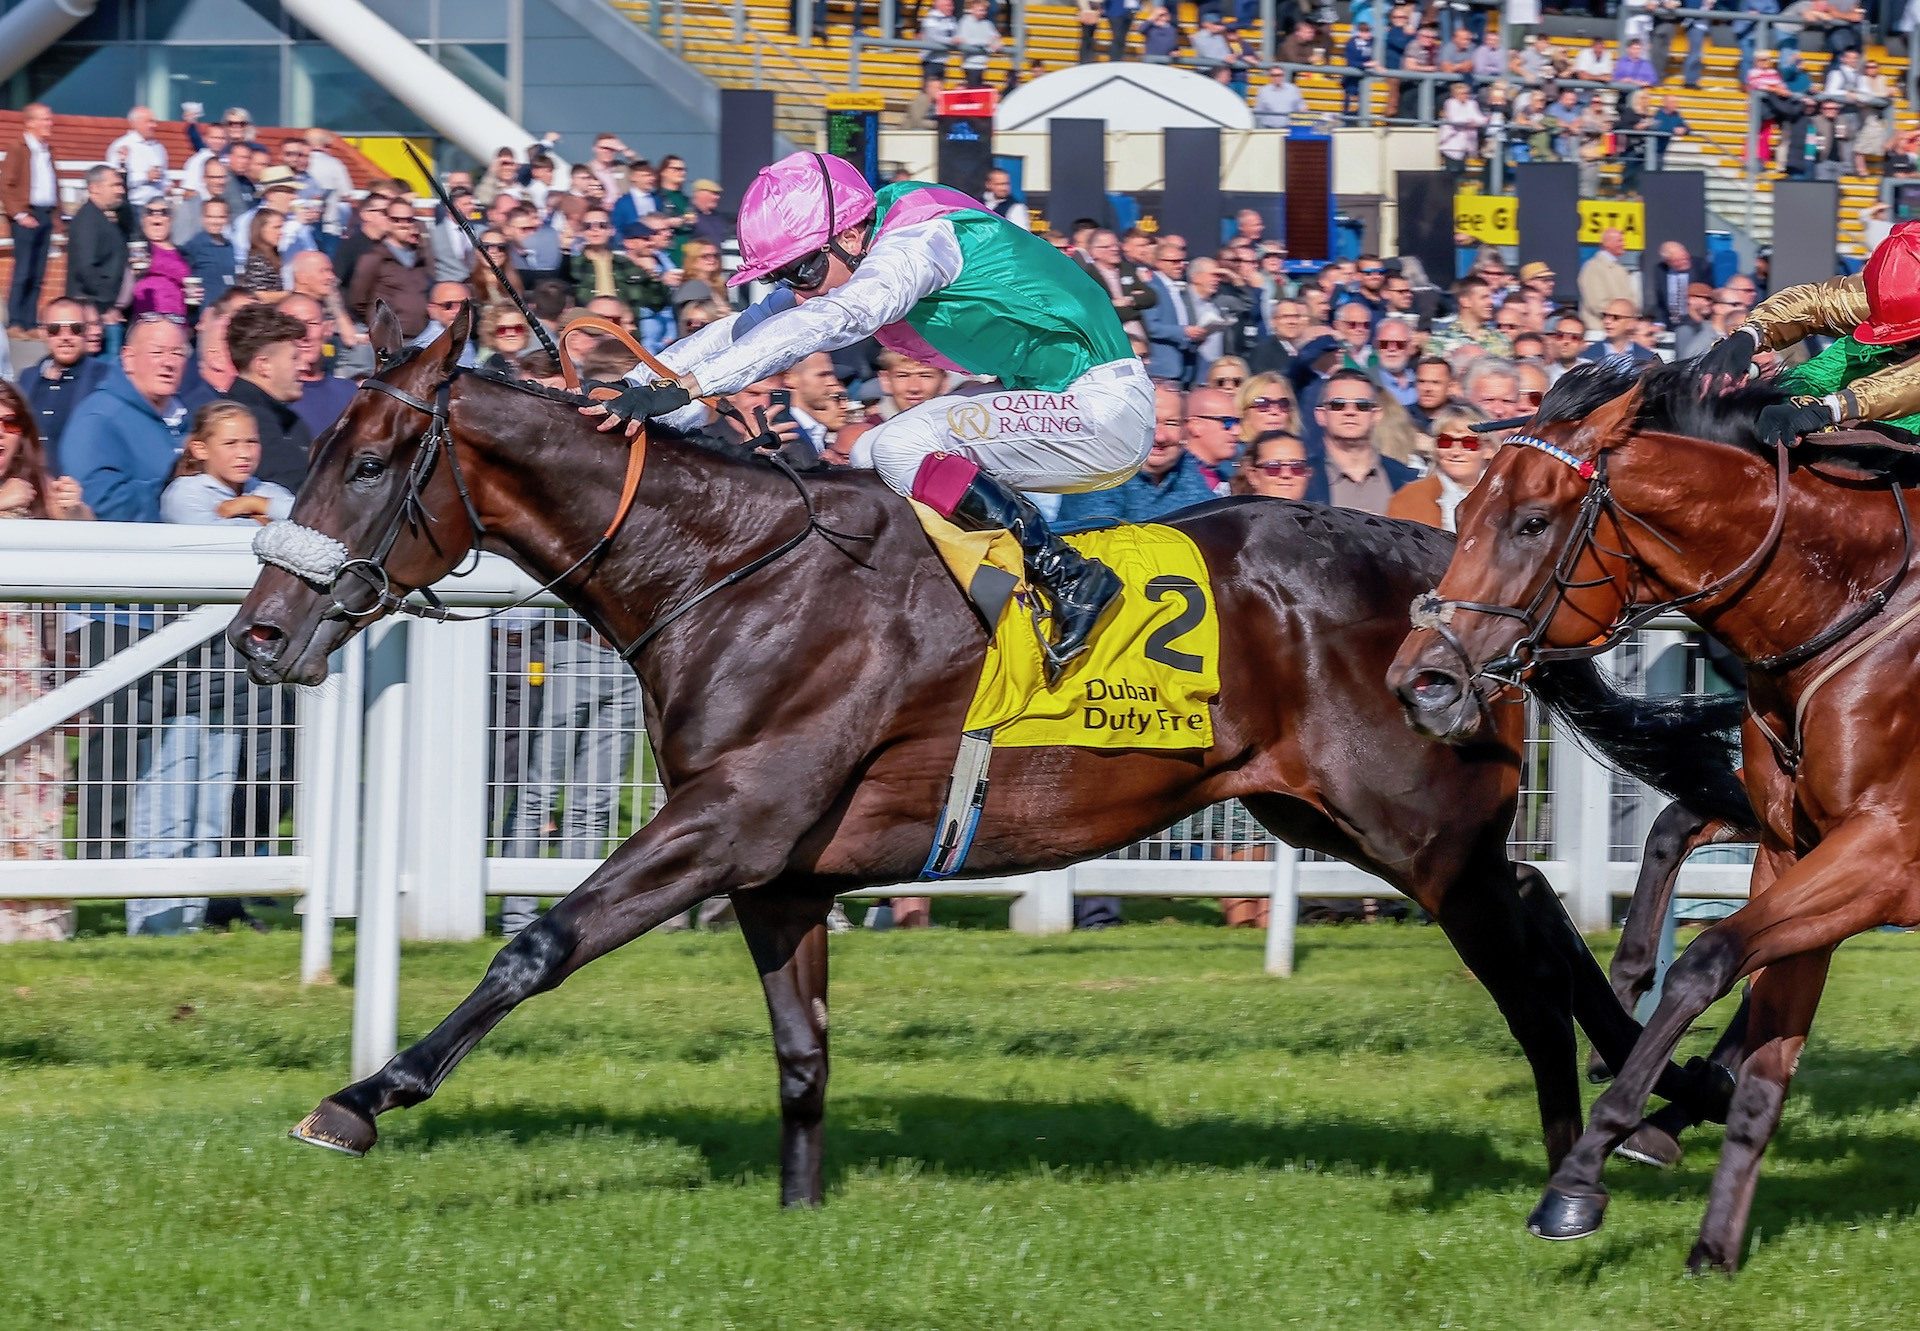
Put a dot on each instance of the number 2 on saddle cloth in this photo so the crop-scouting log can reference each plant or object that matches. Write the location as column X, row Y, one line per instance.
column 1146, row 681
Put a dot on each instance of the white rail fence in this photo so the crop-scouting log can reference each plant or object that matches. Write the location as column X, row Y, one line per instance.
column 447, row 763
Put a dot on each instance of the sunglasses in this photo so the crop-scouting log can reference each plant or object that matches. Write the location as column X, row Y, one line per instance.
column 155, row 317
column 1360, row 404
column 509, row 330
column 1224, row 422
column 1393, row 344
column 837, row 397
column 1372, row 272
column 1465, row 443
column 66, row 330
column 1227, row 381
column 1271, row 404
column 10, row 424
column 494, row 245
column 1283, row 467
column 1614, row 318
column 807, row 273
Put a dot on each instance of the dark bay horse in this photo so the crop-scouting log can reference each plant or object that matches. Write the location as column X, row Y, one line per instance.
column 1639, row 492
column 806, row 718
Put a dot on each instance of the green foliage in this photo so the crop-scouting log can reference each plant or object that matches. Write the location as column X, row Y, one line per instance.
column 1106, row 1131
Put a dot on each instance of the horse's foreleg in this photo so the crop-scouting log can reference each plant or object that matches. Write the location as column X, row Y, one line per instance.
column 667, row 866
column 1843, row 886
column 788, row 938
column 1782, row 1002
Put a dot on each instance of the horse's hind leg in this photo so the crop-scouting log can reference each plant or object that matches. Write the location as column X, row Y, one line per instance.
column 788, row 938
column 665, row 867
column 1783, row 999
column 1676, row 832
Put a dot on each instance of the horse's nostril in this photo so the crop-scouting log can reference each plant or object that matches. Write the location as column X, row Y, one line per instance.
column 261, row 640
column 1431, row 689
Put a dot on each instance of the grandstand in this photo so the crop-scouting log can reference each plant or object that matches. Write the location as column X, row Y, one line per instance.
column 764, row 53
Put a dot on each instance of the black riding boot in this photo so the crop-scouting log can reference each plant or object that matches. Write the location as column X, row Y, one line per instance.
column 1078, row 589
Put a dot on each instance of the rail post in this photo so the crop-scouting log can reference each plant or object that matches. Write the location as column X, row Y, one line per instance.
column 1584, row 788
column 376, row 965
column 446, row 785
column 329, row 818
column 1283, row 908
column 1046, row 907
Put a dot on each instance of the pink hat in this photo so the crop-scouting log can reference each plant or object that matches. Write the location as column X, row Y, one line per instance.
column 783, row 214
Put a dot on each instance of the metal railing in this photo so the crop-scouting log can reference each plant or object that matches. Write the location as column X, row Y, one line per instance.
column 447, row 763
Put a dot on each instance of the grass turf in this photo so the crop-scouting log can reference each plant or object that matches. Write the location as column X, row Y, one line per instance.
column 1122, row 1130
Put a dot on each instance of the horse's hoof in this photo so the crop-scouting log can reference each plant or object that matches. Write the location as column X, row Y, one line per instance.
column 1562, row 1216
column 1651, row 1144
column 337, row 1128
column 1703, row 1261
column 1597, row 1070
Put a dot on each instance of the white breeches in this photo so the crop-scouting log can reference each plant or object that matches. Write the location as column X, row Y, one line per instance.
column 1091, row 436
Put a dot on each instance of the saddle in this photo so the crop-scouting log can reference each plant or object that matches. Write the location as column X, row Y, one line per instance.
column 1874, row 452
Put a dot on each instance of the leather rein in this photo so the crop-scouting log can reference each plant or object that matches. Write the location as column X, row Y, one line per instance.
column 1509, row 670
column 410, row 512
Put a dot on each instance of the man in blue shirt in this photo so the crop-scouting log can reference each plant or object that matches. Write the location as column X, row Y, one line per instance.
column 122, row 441
column 210, row 254
column 63, row 378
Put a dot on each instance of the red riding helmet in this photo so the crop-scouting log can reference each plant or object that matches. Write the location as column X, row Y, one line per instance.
column 1893, row 289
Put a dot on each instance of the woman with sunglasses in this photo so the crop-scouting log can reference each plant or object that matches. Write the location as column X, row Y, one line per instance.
column 1228, row 374
column 487, row 288
column 1276, row 467
column 1461, row 458
column 504, row 335
column 32, row 797
column 1265, row 403
column 932, row 274
column 161, row 286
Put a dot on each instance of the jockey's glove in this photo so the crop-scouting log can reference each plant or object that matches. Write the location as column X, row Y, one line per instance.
column 1789, row 422
column 643, row 401
column 1731, row 355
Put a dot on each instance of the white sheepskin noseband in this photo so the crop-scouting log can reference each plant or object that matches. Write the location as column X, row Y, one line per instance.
column 302, row 551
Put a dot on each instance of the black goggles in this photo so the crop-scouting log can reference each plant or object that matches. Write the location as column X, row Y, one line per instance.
column 807, row 273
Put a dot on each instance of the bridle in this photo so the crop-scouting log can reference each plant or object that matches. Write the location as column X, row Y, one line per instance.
column 1510, row 669
column 323, row 561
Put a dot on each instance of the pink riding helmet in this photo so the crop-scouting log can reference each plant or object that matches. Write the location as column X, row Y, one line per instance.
column 783, row 214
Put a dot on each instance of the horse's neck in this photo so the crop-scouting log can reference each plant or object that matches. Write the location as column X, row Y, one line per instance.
column 692, row 518
column 1836, row 543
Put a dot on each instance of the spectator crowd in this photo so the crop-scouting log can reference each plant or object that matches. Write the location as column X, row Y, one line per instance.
column 1499, row 98
column 213, row 317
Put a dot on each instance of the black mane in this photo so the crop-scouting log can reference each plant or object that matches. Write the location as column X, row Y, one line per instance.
column 1672, row 401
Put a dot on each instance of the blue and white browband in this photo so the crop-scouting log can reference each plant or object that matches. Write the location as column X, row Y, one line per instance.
column 1553, row 451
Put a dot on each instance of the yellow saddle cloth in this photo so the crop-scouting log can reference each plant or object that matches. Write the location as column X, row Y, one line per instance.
column 1149, row 673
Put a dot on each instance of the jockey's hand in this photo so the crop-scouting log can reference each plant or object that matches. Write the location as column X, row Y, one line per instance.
column 1790, row 422
column 636, row 404
column 1732, row 355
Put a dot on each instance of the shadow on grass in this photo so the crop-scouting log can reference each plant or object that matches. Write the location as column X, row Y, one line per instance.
column 976, row 1138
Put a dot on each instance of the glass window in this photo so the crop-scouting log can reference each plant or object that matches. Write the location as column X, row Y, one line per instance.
column 328, row 89
column 217, row 77
column 211, row 20
column 482, row 66
column 86, row 80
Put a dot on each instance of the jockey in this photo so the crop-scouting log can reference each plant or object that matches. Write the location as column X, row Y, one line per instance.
column 933, row 275
column 1872, row 373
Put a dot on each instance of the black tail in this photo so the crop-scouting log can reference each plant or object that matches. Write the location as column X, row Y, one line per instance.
column 1686, row 746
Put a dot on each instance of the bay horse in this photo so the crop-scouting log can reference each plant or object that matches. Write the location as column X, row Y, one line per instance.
column 807, row 661
column 1626, row 495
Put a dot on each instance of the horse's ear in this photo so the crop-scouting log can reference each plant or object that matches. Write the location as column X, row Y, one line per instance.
column 1612, row 423
column 453, row 340
column 383, row 330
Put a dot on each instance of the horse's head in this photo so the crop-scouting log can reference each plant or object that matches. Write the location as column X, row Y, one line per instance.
column 1539, row 565
column 381, row 514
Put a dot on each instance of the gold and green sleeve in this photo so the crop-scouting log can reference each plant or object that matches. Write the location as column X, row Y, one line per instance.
column 1832, row 308
column 1886, row 395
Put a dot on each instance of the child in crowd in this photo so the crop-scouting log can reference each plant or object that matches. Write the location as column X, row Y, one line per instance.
column 183, row 804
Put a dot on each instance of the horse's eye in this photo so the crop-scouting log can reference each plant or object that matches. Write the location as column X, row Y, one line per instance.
column 1533, row 525
column 369, row 469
